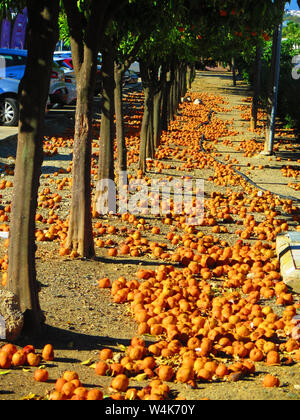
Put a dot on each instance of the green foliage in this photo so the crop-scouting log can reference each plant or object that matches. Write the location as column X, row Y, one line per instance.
column 289, row 88
column 292, row 32
column 64, row 33
column 6, row 6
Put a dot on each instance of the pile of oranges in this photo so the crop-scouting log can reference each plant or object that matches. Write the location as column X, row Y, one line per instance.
column 11, row 356
column 215, row 306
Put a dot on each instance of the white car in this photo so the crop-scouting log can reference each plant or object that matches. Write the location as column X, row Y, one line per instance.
column 58, row 92
column 70, row 79
column 135, row 67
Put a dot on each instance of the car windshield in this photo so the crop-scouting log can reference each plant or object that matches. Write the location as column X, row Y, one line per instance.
column 10, row 60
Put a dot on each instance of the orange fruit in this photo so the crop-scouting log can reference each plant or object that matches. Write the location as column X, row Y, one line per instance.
column 41, row 375
column 270, row 381
column 48, row 353
column 81, row 392
column 106, row 354
column 18, row 358
column 55, row 396
column 94, row 395
column 165, row 373
column 5, row 360
column 70, row 375
column 68, row 389
column 59, row 384
column 120, row 383
column 101, row 368
column 33, row 359
column 104, row 283
column 9, row 349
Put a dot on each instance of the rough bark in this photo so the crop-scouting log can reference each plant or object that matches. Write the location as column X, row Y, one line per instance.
column 120, row 133
column 190, row 75
column 166, row 107
column 271, row 85
column 148, row 105
column 119, row 70
column 233, row 72
column 42, row 37
column 107, row 131
column 157, row 120
column 80, row 237
column 86, row 35
column 152, row 87
column 256, row 88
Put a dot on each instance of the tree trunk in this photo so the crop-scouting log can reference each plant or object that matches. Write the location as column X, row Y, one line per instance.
column 157, row 123
column 119, row 70
column 166, row 100
column 80, row 234
column 271, row 82
column 273, row 95
column 86, row 35
column 233, row 72
column 158, row 111
column 147, row 117
column 120, row 133
column 107, row 131
column 42, row 37
column 176, row 90
column 106, row 170
column 152, row 88
column 256, row 88
column 184, row 79
column 190, row 75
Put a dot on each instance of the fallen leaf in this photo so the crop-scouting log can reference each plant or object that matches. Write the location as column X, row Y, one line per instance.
column 5, row 372
column 93, row 366
column 28, row 397
column 87, row 362
column 141, row 377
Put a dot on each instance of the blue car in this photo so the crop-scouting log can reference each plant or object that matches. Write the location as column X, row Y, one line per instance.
column 12, row 63
column 12, row 69
column 9, row 107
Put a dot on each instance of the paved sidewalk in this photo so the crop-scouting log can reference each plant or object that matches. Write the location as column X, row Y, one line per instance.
column 6, row 132
column 55, row 122
column 242, row 148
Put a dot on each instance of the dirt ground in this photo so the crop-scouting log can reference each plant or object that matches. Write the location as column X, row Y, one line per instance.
column 81, row 318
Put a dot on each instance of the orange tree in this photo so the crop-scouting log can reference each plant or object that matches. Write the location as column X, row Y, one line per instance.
column 235, row 29
column 199, row 29
column 87, row 20
column 42, row 36
column 131, row 26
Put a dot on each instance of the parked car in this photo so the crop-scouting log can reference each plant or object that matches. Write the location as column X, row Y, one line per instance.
column 13, row 64
column 130, row 77
column 135, row 67
column 58, row 91
column 70, row 80
column 9, row 107
column 64, row 59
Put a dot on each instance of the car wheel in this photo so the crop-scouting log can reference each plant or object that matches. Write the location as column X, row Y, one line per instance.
column 9, row 112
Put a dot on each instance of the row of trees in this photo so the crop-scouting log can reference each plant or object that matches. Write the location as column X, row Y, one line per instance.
column 166, row 37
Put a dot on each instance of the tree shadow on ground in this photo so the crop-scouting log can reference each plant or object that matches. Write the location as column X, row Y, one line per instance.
column 133, row 261
column 63, row 339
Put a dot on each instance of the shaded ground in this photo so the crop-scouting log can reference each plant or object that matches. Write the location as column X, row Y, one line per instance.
column 81, row 318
